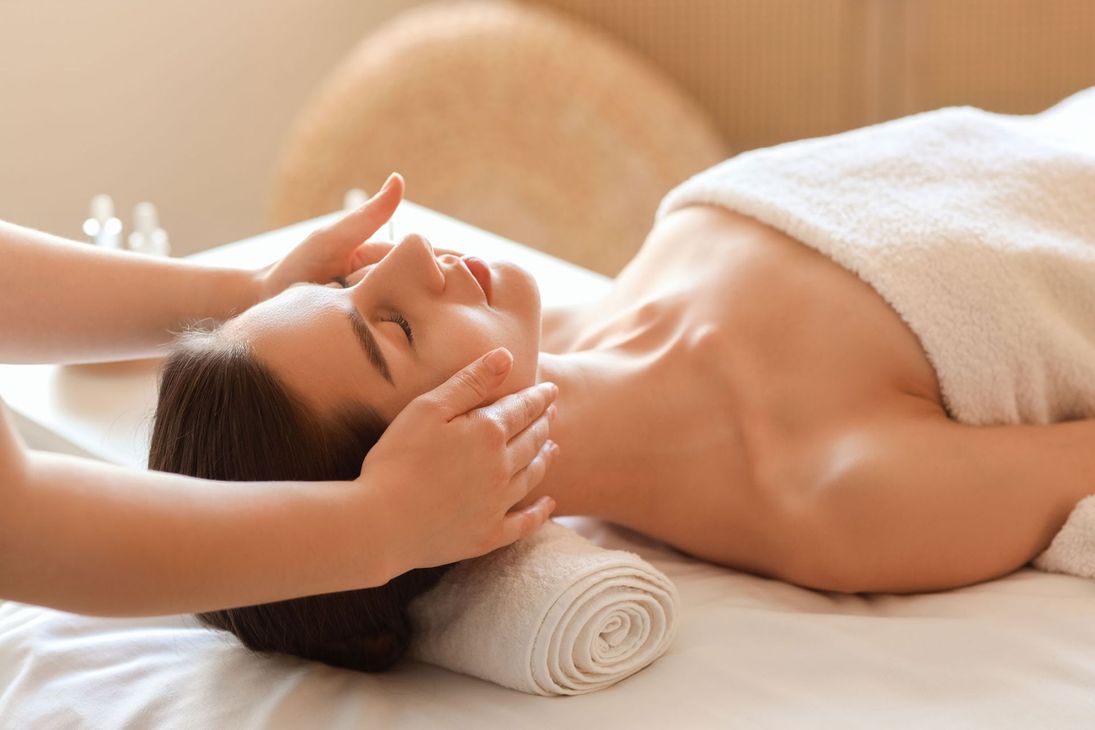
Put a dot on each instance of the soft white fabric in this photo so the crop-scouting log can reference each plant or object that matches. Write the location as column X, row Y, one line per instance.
column 1010, row 654
column 553, row 614
column 979, row 230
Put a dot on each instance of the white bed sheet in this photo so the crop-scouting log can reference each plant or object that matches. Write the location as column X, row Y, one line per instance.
column 1018, row 652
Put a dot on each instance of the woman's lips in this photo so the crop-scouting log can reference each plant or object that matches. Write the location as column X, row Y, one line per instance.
column 481, row 271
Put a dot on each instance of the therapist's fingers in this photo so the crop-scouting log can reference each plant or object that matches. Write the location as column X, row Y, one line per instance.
column 524, row 447
column 326, row 254
column 369, row 253
column 521, row 523
column 366, row 219
column 441, row 251
column 470, row 386
column 530, row 477
column 356, row 276
column 517, row 411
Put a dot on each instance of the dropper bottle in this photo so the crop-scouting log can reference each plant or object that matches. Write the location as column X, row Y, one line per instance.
column 147, row 236
column 102, row 228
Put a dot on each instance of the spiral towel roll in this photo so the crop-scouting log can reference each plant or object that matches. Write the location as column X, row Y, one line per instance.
column 552, row 614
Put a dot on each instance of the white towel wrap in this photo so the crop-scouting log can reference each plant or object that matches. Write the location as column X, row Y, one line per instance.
column 1073, row 549
column 552, row 614
column 979, row 230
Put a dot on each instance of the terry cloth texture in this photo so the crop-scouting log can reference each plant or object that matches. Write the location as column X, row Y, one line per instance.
column 552, row 614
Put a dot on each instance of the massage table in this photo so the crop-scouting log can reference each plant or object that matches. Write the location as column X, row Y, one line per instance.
column 1017, row 652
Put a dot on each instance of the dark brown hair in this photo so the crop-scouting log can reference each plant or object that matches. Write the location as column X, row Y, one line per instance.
column 222, row 414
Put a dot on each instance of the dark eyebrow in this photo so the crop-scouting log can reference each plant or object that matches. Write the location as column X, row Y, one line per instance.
column 368, row 344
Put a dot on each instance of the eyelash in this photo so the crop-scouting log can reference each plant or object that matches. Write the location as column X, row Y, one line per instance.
column 400, row 320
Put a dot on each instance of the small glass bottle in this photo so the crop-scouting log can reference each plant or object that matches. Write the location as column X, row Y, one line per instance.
column 103, row 228
column 147, row 236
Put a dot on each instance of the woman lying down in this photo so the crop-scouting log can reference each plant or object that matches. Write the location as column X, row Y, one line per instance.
column 864, row 362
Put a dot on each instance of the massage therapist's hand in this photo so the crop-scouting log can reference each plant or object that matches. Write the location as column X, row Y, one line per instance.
column 450, row 472
column 337, row 250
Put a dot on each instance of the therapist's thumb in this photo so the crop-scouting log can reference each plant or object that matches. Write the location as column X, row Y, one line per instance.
column 468, row 388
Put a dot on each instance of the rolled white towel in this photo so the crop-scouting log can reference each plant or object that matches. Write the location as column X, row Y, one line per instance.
column 552, row 614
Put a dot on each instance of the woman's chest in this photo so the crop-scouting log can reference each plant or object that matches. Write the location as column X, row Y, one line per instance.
column 738, row 324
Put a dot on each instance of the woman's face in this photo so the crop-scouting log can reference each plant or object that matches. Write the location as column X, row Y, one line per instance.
column 406, row 327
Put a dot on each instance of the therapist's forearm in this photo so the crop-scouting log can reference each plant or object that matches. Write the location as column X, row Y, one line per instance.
column 94, row 538
column 63, row 301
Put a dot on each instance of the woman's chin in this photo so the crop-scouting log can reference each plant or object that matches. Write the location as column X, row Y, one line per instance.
column 516, row 293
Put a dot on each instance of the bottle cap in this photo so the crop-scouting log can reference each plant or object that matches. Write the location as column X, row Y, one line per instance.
column 145, row 218
column 102, row 207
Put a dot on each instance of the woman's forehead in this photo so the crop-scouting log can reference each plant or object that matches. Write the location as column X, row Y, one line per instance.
column 295, row 312
column 299, row 334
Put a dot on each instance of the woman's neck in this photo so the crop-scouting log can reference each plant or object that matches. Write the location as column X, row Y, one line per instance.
column 595, row 387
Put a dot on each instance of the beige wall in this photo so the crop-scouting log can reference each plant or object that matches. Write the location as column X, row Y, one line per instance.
column 181, row 102
column 185, row 102
column 774, row 70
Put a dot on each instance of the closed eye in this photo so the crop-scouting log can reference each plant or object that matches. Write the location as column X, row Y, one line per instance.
column 400, row 320
column 396, row 317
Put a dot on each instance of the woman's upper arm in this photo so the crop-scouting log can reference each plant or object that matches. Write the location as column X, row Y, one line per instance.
column 1036, row 457
column 13, row 454
column 901, row 481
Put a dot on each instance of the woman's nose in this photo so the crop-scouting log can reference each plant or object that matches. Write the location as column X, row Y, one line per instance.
column 427, row 261
column 409, row 264
column 414, row 255
column 417, row 239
